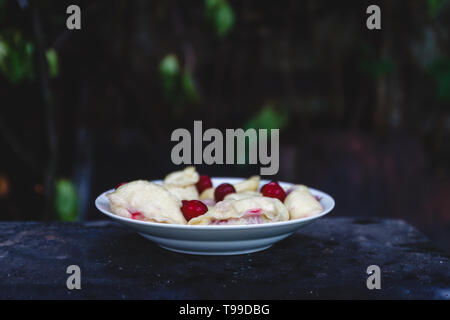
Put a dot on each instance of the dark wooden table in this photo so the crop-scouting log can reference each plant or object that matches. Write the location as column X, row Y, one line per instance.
column 326, row 259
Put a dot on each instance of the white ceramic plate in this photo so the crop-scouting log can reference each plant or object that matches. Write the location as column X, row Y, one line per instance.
column 217, row 239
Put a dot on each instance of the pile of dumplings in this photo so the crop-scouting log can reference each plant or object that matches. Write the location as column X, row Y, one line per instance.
column 186, row 197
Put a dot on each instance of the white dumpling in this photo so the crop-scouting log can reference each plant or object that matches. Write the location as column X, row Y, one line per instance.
column 242, row 195
column 301, row 203
column 187, row 177
column 207, row 194
column 249, row 185
column 249, row 209
column 151, row 200
column 183, row 193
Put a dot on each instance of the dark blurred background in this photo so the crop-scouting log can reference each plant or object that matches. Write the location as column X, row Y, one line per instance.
column 364, row 114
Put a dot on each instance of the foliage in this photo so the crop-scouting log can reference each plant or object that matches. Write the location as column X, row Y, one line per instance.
column 66, row 200
column 435, row 6
column 169, row 70
column 372, row 65
column 52, row 60
column 188, row 87
column 178, row 87
column 169, row 66
column 220, row 15
column 16, row 58
column 268, row 118
column 440, row 69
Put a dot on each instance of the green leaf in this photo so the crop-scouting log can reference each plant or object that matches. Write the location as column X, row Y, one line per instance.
column 224, row 19
column 178, row 87
column 268, row 118
column 440, row 69
column 4, row 48
column 16, row 57
column 169, row 70
column 169, row 66
column 372, row 65
column 220, row 15
column 66, row 200
column 211, row 6
column 52, row 60
column 435, row 6
column 377, row 68
column 444, row 87
column 189, row 88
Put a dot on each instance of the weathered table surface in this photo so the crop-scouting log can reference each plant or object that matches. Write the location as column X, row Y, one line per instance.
column 326, row 259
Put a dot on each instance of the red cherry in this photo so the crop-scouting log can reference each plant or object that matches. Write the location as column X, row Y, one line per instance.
column 137, row 215
column 203, row 183
column 193, row 208
column 273, row 190
column 222, row 190
column 120, row 184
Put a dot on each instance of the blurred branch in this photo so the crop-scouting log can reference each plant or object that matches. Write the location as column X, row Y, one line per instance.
column 43, row 77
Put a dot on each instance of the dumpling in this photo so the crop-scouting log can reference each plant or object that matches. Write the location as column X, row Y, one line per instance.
column 187, row 177
column 250, row 209
column 182, row 183
column 152, row 201
column 301, row 203
column 183, row 193
column 207, row 194
column 249, row 185
column 242, row 195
